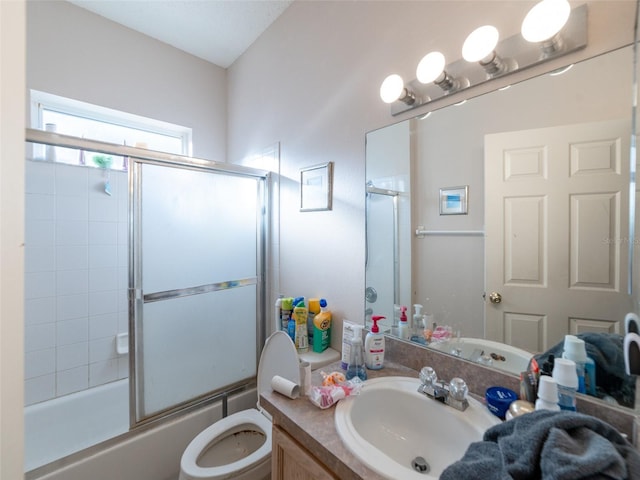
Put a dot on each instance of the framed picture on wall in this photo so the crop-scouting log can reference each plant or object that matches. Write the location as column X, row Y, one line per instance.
column 316, row 187
column 454, row 200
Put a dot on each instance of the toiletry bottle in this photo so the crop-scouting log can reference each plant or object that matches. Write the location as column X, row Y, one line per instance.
column 417, row 320
column 322, row 328
column 417, row 330
column 286, row 310
column 314, row 309
column 547, row 394
column 374, row 346
column 396, row 320
column 278, row 312
column 347, row 335
column 564, row 373
column 575, row 349
column 403, row 326
column 300, row 314
column 355, row 368
column 547, row 366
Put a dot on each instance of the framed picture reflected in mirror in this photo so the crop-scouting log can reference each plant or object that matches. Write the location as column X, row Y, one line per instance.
column 454, row 200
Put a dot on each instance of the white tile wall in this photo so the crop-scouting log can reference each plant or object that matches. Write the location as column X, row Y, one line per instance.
column 76, row 279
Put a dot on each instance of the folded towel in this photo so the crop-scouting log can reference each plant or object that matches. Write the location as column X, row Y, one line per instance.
column 549, row 445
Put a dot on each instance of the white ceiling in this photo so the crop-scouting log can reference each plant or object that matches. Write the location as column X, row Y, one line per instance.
column 218, row 31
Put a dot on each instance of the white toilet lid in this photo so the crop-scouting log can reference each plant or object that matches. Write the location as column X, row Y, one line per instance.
column 279, row 357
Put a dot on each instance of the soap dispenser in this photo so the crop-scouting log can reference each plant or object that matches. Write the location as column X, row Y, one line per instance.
column 417, row 329
column 374, row 346
column 417, row 316
column 355, row 368
column 403, row 326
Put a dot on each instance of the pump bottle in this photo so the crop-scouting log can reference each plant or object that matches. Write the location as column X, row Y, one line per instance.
column 374, row 346
column 403, row 327
column 356, row 367
column 417, row 329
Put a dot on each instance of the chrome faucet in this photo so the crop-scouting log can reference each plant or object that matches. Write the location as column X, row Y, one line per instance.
column 453, row 393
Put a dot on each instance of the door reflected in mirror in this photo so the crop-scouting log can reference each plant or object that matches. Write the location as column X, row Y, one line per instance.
column 546, row 229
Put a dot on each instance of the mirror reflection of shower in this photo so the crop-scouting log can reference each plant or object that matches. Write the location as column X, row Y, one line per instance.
column 382, row 253
column 388, row 244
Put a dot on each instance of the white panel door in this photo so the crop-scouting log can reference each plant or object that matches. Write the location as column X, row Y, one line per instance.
column 556, row 232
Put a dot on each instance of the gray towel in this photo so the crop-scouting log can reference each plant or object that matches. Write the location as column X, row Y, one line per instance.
column 549, row 446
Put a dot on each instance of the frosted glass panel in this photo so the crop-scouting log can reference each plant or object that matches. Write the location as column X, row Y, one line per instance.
column 197, row 238
column 196, row 344
column 381, row 258
column 198, row 228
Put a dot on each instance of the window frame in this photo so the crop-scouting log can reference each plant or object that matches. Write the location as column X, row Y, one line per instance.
column 41, row 101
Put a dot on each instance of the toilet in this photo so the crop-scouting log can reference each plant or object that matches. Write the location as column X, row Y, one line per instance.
column 239, row 446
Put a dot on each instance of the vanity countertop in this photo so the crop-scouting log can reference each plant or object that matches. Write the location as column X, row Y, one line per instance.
column 314, row 428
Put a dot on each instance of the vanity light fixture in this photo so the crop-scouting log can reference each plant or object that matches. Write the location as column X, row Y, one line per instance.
column 393, row 89
column 543, row 24
column 480, row 47
column 431, row 70
column 551, row 26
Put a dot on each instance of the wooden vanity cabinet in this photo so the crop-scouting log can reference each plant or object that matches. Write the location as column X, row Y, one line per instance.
column 291, row 461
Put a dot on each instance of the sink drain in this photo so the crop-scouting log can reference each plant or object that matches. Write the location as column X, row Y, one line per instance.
column 420, row 465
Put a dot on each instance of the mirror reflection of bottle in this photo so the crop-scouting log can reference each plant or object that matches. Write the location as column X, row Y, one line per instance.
column 575, row 349
column 404, row 331
column 396, row 320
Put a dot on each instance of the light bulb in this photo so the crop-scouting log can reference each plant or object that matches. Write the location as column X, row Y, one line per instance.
column 391, row 88
column 545, row 20
column 480, row 43
column 430, row 67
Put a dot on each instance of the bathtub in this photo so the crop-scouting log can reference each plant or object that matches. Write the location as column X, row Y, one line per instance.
column 59, row 427
column 151, row 453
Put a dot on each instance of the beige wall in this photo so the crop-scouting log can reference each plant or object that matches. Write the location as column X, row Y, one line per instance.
column 77, row 54
column 311, row 82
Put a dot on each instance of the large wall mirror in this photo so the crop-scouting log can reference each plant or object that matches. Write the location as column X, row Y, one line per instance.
column 506, row 217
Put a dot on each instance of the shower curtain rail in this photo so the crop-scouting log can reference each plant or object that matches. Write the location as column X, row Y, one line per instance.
column 421, row 233
column 42, row 137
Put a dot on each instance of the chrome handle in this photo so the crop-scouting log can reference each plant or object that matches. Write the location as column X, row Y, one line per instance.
column 428, row 376
column 495, row 297
column 458, row 389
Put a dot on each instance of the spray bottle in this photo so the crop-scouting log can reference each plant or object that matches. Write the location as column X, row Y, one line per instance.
column 374, row 346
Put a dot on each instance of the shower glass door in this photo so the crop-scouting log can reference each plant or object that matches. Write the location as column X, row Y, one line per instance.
column 196, row 283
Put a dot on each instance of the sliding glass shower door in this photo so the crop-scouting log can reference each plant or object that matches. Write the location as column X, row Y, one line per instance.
column 196, row 283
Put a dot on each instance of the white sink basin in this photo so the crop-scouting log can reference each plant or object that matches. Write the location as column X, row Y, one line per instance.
column 509, row 359
column 389, row 424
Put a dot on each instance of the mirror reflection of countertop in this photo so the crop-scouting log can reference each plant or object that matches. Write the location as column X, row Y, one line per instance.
column 314, row 428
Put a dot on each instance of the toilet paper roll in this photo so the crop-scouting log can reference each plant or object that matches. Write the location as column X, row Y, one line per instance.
column 305, row 378
column 285, row 387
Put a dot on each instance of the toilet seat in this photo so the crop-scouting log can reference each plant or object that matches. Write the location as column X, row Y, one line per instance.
column 279, row 357
column 253, row 420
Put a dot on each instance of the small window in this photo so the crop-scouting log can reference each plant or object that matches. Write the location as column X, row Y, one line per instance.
column 84, row 120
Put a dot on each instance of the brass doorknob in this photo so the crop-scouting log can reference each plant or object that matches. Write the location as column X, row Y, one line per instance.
column 495, row 297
